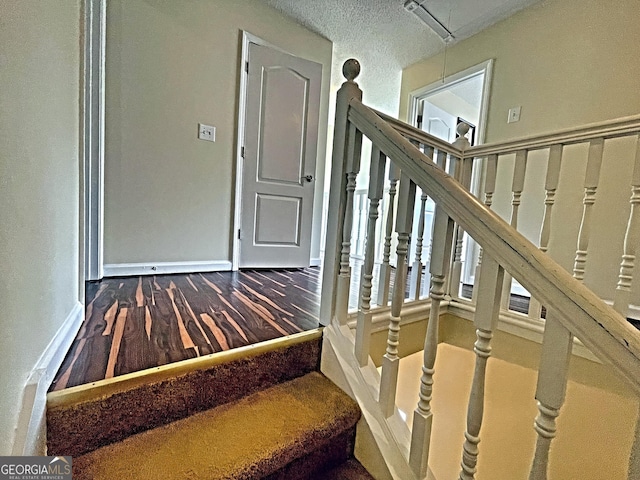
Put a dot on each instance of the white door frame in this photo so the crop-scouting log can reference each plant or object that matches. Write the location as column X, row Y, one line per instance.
column 92, row 124
column 419, row 94
column 416, row 96
column 247, row 38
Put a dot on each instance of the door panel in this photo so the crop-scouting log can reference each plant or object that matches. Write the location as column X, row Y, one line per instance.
column 281, row 130
column 278, row 220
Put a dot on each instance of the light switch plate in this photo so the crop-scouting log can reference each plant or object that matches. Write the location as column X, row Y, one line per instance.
column 514, row 115
column 206, row 132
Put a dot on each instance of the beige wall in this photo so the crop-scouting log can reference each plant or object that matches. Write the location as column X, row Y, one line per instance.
column 169, row 197
column 567, row 64
column 39, row 191
column 556, row 60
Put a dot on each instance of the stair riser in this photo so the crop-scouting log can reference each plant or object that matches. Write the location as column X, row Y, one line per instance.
column 81, row 428
column 333, row 452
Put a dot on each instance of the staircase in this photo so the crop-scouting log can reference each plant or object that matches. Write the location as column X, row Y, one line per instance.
column 411, row 167
column 264, row 411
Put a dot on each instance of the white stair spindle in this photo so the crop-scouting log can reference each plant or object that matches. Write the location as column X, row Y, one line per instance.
column 357, row 235
column 489, row 189
column 591, row 180
column 415, row 282
column 439, row 264
column 440, row 159
column 354, row 150
column 415, row 285
column 384, row 280
column 391, row 360
column 550, row 186
column 550, row 391
column 338, row 192
column 622, row 295
column 485, row 320
column 517, row 187
column 363, row 326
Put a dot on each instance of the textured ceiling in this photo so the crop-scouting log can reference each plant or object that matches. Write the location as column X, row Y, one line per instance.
column 385, row 38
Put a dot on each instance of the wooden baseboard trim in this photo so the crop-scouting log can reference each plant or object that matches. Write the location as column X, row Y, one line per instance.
column 30, row 431
column 159, row 268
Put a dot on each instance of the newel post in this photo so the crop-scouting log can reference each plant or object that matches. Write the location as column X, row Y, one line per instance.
column 462, row 173
column 338, row 190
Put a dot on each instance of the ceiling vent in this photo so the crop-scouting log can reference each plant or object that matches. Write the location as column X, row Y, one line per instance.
column 419, row 10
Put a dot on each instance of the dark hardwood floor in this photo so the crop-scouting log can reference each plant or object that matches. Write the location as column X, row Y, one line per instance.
column 135, row 323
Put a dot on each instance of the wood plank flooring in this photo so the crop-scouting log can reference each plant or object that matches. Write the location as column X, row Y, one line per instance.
column 135, row 323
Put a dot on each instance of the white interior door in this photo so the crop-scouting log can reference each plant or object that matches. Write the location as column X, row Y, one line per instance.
column 280, row 148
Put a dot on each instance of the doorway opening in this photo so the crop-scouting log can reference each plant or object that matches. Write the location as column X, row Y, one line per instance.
column 437, row 109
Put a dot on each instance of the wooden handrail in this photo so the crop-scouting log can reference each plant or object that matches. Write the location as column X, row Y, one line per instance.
column 619, row 127
column 610, row 129
column 420, row 136
column 600, row 328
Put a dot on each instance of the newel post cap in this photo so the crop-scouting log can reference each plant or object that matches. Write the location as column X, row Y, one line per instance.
column 351, row 69
column 462, row 128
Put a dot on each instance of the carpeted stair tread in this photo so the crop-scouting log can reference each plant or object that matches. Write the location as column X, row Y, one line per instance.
column 251, row 438
column 77, row 427
column 352, row 469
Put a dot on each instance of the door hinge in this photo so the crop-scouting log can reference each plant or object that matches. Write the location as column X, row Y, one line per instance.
column 246, row 67
column 239, row 238
column 242, row 152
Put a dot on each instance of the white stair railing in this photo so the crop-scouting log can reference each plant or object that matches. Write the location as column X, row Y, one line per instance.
column 517, row 188
column 363, row 330
column 573, row 309
column 622, row 296
column 391, row 359
column 550, row 186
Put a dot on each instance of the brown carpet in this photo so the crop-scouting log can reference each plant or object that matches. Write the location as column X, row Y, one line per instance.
column 249, row 439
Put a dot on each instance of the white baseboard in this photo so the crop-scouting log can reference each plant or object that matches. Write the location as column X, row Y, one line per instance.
column 520, row 326
column 509, row 322
column 30, row 431
column 127, row 269
column 315, row 262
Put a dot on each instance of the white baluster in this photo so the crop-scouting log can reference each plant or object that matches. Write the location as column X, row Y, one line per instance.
column 357, row 235
column 463, row 171
column 391, row 361
column 439, row 264
column 415, row 285
column 384, row 280
column 558, row 341
column 363, row 326
column 550, row 186
column 489, row 189
column 517, row 187
column 441, row 161
column 415, row 282
column 591, row 180
column 622, row 296
column 354, row 151
column 550, row 391
column 338, row 191
column 485, row 320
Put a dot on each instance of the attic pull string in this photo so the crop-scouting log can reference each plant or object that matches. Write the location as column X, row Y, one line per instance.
column 446, row 44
